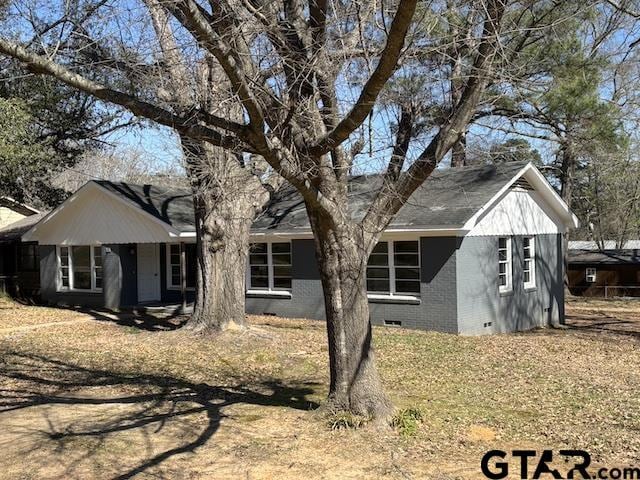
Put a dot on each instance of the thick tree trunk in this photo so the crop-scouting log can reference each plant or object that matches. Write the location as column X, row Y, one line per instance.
column 226, row 199
column 342, row 258
column 222, row 249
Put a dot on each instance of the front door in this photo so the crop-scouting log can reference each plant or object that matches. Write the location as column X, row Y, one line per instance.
column 148, row 272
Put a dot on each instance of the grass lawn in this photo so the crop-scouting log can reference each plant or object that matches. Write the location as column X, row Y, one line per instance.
column 99, row 399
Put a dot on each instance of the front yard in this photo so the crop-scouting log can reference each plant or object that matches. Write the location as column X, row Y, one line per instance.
column 114, row 399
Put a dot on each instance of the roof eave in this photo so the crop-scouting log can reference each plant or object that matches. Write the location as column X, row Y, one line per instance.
column 533, row 175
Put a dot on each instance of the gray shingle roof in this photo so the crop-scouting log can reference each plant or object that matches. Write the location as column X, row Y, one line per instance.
column 446, row 200
column 608, row 245
column 604, row 257
column 171, row 205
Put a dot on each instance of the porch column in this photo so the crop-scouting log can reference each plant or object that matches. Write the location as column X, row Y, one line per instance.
column 183, row 276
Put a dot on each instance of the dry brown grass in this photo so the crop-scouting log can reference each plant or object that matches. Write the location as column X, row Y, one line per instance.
column 102, row 400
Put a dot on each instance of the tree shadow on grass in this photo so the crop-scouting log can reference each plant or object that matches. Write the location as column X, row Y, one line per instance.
column 150, row 322
column 158, row 400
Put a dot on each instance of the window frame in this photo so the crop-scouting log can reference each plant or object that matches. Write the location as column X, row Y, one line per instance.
column 35, row 256
column 531, row 284
column 508, row 287
column 270, row 288
column 591, row 277
column 391, row 266
column 169, row 265
column 93, row 269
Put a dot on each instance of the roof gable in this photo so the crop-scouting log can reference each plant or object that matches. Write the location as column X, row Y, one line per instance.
column 173, row 206
column 94, row 215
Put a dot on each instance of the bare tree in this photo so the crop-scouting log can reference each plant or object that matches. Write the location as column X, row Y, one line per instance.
column 298, row 99
column 131, row 166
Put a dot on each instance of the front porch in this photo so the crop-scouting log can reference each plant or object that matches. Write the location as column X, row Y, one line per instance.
column 140, row 277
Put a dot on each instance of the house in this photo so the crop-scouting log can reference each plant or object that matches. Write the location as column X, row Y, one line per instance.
column 604, row 270
column 19, row 263
column 475, row 250
column 11, row 211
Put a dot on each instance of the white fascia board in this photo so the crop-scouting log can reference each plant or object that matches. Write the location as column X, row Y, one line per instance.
column 535, row 177
column 549, row 193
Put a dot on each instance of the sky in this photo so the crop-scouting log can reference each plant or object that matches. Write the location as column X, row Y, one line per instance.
column 159, row 143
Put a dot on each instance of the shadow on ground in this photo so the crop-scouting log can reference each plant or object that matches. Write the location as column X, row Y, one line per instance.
column 600, row 322
column 157, row 401
column 150, row 322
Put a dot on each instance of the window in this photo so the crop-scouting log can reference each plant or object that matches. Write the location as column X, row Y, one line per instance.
column 529, row 262
column 394, row 268
column 591, row 275
column 504, row 264
column 270, row 266
column 174, row 267
column 80, row 268
column 28, row 258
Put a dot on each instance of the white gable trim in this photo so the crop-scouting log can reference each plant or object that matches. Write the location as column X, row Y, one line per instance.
column 542, row 187
column 168, row 232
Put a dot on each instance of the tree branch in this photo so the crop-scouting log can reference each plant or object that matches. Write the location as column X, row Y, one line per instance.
column 390, row 200
column 383, row 71
column 185, row 125
column 188, row 13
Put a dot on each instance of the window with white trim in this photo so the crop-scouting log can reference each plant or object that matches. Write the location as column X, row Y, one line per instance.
column 270, row 266
column 80, row 268
column 591, row 275
column 529, row 262
column 505, row 274
column 174, row 267
column 393, row 268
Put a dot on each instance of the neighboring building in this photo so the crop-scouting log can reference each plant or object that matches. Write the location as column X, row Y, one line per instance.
column 11, row 211
column 475, row 250
column 607, row 272
column 19, row 262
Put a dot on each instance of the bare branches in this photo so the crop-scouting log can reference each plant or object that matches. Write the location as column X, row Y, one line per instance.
column 187, row 126
column 192, row 18
column 385, row 68
column 391, row 199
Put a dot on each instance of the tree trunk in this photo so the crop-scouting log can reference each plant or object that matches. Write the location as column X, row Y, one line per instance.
column 567, row 174
column 459, row 152
column 342, row 258
column 222, row 247
column 226, row 200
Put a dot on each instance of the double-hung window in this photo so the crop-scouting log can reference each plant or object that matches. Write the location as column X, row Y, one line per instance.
column 270, row 266
column 394, row 268
column 591, row 275
column 505, row 280
column 174, row 266
column 529, row 262
column 80, row 268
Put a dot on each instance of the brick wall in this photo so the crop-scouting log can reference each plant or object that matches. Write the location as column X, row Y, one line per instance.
column 483, row 309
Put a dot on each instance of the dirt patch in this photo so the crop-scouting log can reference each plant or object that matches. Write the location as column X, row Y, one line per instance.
column 107, row 400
